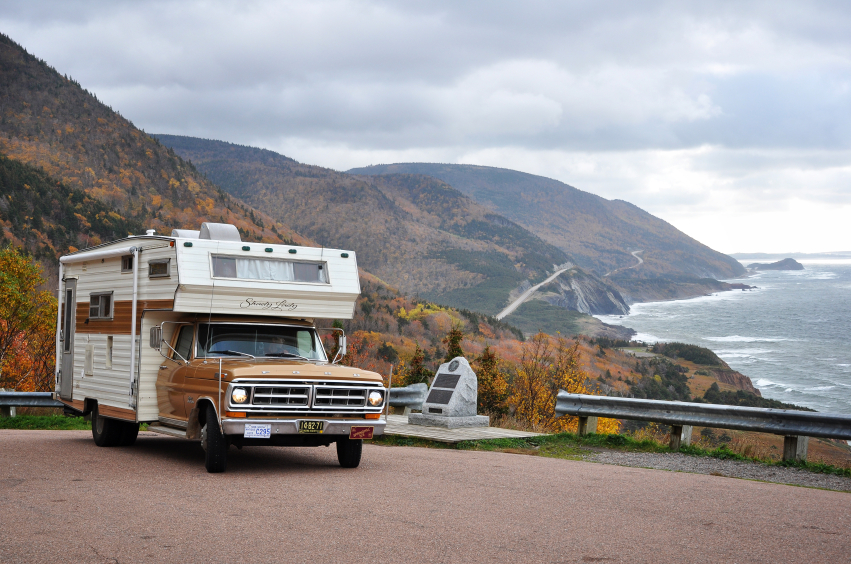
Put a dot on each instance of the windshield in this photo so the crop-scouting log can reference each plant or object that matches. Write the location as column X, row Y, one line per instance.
column 278, row 341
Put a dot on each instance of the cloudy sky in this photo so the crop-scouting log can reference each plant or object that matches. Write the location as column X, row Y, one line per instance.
column 730, row 120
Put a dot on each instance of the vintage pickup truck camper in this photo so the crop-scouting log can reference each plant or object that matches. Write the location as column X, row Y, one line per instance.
column 204, row 336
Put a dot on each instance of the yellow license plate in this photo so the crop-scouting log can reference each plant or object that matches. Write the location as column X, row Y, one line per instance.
column 311, row 426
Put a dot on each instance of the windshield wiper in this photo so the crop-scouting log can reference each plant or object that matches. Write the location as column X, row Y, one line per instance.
column 238, row 353
column 288, row 354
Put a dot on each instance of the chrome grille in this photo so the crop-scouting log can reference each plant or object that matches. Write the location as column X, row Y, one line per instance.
column 295, row 396
column 327, row 396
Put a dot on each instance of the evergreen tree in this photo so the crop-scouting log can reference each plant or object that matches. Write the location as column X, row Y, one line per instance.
column 453, row 343
column 417, row 373
column 493, row 388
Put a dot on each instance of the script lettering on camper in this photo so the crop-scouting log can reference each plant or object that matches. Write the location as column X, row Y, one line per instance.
column 282, row 305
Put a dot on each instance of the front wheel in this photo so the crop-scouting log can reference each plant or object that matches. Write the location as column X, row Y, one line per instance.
column 349, row 452
column 214, row 443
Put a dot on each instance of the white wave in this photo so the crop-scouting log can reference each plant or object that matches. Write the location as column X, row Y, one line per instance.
column 818, row 388
column 765, row 383
column 741, row 339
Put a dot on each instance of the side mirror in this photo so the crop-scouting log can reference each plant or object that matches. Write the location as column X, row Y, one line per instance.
column 156, row 337
column 342, row 351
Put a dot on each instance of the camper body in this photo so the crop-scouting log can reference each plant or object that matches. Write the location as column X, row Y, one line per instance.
column 204, row 336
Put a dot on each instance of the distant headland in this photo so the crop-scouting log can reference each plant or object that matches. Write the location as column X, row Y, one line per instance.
column 785, row 264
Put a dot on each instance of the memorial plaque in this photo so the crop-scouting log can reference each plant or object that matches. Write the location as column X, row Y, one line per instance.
column 446, row 381
column 439, row 396
column 452, row 399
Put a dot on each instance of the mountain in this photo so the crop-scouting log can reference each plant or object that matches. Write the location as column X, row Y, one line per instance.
column 601, row 235
column 85, row 158
column 414, row 232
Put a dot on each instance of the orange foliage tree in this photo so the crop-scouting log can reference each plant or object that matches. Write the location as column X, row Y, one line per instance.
column 27, row 318
column 546, row 366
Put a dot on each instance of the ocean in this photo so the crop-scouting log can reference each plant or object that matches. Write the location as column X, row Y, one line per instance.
column 791, row 335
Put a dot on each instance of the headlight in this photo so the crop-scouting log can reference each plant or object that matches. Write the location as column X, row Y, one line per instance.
column 375, row 398
column 239, row 395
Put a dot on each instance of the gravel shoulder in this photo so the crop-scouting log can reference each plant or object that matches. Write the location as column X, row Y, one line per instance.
column 717, row 467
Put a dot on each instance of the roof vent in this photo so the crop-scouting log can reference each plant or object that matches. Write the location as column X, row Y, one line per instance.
column 150, row 232
column 186, row 233
column 220, row 232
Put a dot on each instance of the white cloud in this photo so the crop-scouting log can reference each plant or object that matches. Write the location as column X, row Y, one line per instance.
column 732, row 113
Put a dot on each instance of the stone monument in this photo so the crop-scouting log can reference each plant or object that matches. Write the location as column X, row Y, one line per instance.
column 452, row 398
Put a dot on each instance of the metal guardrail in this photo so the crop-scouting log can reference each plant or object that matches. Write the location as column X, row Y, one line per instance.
column 409, row 397
column 792, row 424
column 28, row 399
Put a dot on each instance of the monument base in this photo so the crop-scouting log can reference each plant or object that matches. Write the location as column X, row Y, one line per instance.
column 448, row 422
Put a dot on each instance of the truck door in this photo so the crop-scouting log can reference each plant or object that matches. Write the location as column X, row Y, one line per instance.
column 171, row 380
column 69, row 320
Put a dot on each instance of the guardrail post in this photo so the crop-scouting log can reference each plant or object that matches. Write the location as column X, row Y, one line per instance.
column 680, row 436
column 587, row 425
column 795, row 447
column 7, row 410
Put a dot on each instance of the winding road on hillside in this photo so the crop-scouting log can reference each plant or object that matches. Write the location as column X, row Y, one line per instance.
column 527, row 294
column 636, row 265
column 67, row 500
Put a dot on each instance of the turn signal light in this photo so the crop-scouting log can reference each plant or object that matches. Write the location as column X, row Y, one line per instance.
column 235, row 414
column 372, row 416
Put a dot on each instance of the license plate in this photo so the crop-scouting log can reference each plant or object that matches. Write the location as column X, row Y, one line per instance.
column 311, row 426
column 257, row 431
column 357, row 432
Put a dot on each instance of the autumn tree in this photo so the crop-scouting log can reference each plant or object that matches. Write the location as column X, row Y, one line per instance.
column 27, row 318
column 548, row 365
column 452, row 340
column 493, row 388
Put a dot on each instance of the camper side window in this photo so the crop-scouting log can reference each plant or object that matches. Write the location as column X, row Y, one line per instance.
column 159, row 268
column 183, row 347
column 127, row 263
column 100, row 306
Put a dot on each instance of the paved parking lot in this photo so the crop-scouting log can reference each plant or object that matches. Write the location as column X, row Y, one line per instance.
column 65, row 500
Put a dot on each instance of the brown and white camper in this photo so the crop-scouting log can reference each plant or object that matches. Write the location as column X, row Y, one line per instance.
column 206, row 337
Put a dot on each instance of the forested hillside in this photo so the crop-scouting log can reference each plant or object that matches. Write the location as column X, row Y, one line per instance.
column 414, row 232
column 79, row 148
column 600, row 234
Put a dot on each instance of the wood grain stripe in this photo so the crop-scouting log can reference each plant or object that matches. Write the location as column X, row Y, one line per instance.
column 120, row 322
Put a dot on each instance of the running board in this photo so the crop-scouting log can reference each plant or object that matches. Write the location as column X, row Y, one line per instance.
column 171, row 432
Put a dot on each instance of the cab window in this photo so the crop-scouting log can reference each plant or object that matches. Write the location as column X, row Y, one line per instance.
column 183, row 347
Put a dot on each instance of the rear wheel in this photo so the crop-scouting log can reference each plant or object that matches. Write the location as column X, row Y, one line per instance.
column 129, row 432
column 106, row 432
column 214, row 443
column 349, row 452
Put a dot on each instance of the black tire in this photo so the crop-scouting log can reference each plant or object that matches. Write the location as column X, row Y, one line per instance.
column 214, row 443
column 105, row 431
column 129, row 432
column 349, row 452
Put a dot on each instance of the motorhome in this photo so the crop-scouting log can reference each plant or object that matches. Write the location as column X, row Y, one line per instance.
column 206, row 337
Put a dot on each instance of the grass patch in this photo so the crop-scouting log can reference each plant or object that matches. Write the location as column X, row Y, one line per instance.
column 45, row 422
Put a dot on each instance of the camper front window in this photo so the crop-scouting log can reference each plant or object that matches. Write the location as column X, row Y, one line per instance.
column 100, row 306
column 247, row 340
column 269, row 269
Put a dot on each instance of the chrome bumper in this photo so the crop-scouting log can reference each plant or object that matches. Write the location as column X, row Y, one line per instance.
column 290, row 427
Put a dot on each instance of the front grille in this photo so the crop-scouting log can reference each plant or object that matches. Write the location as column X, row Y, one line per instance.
column 327, row 396
column 292, row 396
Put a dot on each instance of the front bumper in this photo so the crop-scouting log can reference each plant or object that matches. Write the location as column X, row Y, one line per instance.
column 290, row 427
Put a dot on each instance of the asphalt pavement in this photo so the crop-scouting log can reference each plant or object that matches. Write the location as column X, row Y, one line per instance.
column 65, row 500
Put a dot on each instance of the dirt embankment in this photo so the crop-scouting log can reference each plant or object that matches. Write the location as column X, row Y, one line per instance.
column 736, row 379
